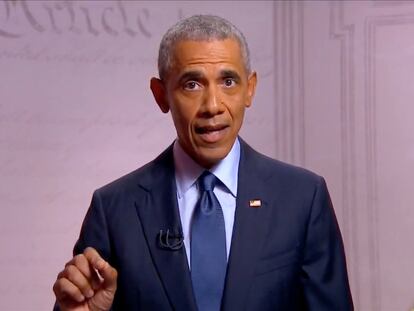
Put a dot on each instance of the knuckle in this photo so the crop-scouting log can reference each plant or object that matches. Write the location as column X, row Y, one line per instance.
column 60, row 275
column 71, row 273
column 78, row 259
column 70, row 262
column 114, row 273
column 70, row 270
column 56, row 287
column 83, row 287
column 88, row 251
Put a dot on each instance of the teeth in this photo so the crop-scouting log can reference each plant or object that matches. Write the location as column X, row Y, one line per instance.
column 207, row 130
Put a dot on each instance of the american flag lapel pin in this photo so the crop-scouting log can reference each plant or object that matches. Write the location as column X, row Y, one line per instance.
column 255, row 203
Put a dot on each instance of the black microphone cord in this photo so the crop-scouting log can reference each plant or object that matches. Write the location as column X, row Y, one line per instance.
column 172, row 242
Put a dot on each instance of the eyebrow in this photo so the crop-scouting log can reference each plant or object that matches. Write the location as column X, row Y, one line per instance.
column 198, row 75
column 191, row 75
column 228, row 73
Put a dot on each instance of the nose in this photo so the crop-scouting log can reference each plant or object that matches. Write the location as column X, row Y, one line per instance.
column 212, row 103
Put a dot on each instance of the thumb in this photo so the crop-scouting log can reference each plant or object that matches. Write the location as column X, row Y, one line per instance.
column 105, row 270
column 109, row 275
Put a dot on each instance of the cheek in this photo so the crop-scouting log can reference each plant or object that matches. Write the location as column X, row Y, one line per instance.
column 182, row 117
column 238, row 119
column 236, row 110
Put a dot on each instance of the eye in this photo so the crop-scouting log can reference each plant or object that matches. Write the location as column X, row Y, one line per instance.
column 229, row 82
column 191, row 85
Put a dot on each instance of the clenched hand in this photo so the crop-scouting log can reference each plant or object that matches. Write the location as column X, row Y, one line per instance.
column 88, row 283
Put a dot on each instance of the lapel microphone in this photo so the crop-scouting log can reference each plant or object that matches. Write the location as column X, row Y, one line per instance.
column 169, row 241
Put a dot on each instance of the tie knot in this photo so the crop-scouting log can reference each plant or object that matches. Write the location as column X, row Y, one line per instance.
column 207, row 181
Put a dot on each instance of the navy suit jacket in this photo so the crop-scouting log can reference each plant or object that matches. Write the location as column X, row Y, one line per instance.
column 285, row 255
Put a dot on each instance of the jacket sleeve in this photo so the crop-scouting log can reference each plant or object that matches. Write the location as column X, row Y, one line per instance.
column 324, row 275
column 94, row 232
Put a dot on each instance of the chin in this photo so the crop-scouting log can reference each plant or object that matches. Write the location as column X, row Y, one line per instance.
column 210, row 157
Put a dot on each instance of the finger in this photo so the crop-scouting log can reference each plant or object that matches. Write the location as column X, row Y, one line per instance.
column 108, row 273
column 93, row 257
column 65, row 290
column 96, row 281
column 76, row 277
column 82, row 263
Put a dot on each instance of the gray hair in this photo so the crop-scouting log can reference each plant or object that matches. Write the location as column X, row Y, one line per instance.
column 199, row 28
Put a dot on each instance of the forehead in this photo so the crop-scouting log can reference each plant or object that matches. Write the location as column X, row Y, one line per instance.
column 190, row 53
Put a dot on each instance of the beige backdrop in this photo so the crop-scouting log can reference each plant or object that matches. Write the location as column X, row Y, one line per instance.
column 335, row 87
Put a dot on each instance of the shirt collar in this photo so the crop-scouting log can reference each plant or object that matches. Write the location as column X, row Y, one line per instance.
column 187, row 170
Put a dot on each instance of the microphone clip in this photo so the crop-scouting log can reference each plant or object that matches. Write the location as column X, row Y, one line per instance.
column 169, row 241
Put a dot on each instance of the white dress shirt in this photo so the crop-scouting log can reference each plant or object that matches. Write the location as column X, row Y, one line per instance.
column 187, row 172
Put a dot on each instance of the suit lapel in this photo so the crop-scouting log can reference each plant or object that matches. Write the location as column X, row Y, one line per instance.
column 249, row 229
column 158, row 210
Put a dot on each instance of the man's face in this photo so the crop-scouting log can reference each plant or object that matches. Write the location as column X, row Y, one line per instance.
column 207, row 91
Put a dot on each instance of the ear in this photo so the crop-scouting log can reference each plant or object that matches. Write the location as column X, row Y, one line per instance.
column 251, row 88
column 160, row 95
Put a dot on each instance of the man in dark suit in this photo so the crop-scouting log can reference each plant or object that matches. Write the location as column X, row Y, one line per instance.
column 272, row 241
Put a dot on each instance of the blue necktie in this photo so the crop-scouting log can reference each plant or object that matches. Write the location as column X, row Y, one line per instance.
column 208, row 247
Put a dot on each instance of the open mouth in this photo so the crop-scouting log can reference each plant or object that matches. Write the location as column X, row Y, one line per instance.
column 211, row 133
